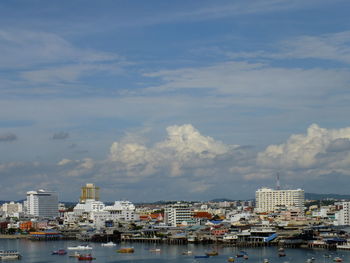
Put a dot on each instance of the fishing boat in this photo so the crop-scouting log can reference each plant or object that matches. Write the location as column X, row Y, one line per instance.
column 126, row 250
column 59, row 252
column 241, row 254
column 81, row 247
column 86, row 257
column 337, row 259
column 266, row 260
column 201, row 256
column 188, row 252
column 245, row 256
column 75, row 255
column 9, row 254
column 231, row 259
column 154, row 250
column 109, row 244
column 281, row 254
column 212, row 253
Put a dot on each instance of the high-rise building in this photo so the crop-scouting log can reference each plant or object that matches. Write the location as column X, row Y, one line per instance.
column 42, row 203
column 90, row 191
column 178, row 214
column 268, row 200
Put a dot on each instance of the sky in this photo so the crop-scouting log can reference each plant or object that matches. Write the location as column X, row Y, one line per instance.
column 174, row 100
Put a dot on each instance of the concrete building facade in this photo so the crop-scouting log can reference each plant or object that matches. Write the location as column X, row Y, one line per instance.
column 268, row 200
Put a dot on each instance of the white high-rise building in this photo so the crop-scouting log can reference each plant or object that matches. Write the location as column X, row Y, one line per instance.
column 178, row 214
column 344, row 214
column 268, row 199
column 42, row 203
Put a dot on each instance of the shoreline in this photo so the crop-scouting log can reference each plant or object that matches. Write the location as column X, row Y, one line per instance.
column 4, row 236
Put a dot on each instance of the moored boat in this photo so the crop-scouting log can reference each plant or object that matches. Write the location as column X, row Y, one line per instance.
column 109, row 244
column 75, row 255
column 212, row 253
column 231, row 259
column 154, row 250
column 9, row 254
column 338, row 259
column 201, row 256
column 59, row 252
column 188, row 252
column 126, row 250
column 81, row 247
column 86, row 257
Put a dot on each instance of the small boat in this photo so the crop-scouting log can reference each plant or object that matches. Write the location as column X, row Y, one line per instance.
column 245, row 256
column 281, row 249
column 241, row 254
column 337, row 259
column 86, row 257
column 281, row 254
column 59, row 252
column 212, row 253
column 9, row 254
column 75, row 255
column 126, row 250
column 188, row 252
column 203, row 256
column 154, row 250
column 231, row 259
column 109, row 244
column 266, row 260
column 81, row 247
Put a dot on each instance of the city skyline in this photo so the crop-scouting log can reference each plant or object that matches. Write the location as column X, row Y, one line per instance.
column 184, row 100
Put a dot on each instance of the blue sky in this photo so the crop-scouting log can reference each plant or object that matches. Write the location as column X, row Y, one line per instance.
column 174, row 99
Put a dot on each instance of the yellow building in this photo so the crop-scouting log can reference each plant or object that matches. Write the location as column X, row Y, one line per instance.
column 90, row 191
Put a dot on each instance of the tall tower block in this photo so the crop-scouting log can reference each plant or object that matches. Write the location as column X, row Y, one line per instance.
column 90, row 191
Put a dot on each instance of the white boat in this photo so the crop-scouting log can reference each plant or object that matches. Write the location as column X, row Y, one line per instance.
column 81, row 247
column 9, row 254
column 109, row 244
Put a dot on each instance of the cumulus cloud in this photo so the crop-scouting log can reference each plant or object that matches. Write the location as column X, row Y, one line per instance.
column 8, row 137
column 183, row 147
column 60, row 136
column 304, row 150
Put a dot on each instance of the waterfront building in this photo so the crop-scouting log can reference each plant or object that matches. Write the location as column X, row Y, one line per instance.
column 42, row 203
column 268, row 200
column 178, row 214
column 123, row 210
column 12, row 209
column 90, row 191
column 344, row 214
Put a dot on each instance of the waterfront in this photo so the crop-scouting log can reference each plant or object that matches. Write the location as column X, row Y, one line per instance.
column 39, row 252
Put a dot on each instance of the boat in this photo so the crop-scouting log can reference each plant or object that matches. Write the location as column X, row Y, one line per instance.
column 266, row 260
column 281, row 254
column 188, row 252
column 81, row 247
column 75, row 255
column 9, row 254
column 86, row 257
column 241, row 254
column 59, row 252
column 231, row 259
column 201, row 256
column 212, row 253
column 154, row 250
column 281, row 249
column 126, row 250
column 337, row 259
column 109, row 244
column 245, row 256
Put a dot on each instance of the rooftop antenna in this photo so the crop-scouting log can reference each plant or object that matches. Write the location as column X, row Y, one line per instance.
column 278, row 185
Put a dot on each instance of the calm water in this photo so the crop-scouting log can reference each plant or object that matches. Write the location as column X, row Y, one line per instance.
column 34, row 251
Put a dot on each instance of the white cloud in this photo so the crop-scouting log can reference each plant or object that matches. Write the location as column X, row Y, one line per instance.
column 183, row 146
column 302, row 150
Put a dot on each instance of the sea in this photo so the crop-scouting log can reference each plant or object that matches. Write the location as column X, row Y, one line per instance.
column 41, row 252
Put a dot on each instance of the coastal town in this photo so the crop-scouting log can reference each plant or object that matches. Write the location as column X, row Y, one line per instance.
column 277, row 217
